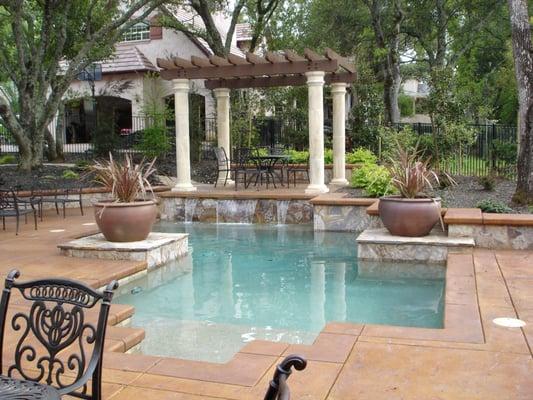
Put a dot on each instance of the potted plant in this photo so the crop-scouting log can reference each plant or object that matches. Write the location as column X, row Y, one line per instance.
column 413, row 212
column 129, row 215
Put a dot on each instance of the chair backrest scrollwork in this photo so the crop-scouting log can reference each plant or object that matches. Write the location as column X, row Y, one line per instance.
column 56, row 341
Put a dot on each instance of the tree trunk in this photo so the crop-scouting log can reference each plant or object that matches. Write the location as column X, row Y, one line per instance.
column 523, row 60
column 391, row 92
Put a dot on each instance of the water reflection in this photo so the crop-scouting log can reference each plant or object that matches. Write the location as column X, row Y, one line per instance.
column 241, row 283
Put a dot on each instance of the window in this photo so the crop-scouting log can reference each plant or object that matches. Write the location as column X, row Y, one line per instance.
column 139, row 31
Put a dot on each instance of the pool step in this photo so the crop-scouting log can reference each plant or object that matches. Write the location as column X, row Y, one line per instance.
column 380, row 245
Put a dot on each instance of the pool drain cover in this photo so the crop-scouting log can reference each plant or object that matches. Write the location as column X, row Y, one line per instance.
column 509, row 322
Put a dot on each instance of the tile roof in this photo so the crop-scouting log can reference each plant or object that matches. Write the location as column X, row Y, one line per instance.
column 127, row 58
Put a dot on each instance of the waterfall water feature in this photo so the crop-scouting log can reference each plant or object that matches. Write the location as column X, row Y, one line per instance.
column 282, row 206
column 236, row 211
column 190, row 208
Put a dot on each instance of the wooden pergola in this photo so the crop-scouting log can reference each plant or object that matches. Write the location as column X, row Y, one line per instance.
column 274, row 69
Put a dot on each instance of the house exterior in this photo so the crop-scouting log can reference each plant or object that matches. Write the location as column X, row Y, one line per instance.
column 130, row 84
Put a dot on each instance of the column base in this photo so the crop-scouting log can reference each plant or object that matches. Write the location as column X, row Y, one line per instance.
column 339, row 182
column 316, row 189
column 184, row 187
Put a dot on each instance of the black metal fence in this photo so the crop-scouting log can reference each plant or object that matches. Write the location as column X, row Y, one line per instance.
column 494, row 150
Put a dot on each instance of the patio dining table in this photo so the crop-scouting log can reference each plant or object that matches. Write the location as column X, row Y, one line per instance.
column 28, row 390
column 268, row 163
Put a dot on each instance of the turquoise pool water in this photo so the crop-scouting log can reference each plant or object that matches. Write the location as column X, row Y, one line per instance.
column 281, row 283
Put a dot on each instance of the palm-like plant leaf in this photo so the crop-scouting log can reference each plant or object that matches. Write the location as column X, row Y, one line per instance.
column 126, row 180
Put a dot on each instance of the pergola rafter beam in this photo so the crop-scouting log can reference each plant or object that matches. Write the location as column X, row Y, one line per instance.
column 276, row 81
column 282, row 69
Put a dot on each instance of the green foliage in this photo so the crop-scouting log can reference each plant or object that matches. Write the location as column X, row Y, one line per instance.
column 328, row 156
column 504, row 151
column 488, row 182
column 390, row 138
column 8, row 159
column 82, row 165
column 154, row 142
column 492, row 206
column 374, row 179
column 298, row 157
column 104, row 140
column 406, row 105
column 70, row 174
column 361, row 156
column 261, row 152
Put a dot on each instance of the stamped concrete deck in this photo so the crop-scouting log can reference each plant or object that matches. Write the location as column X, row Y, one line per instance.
column 471, row 358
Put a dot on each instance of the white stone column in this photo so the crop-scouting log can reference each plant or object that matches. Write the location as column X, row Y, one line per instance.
column 223, row 132
column 338, row 91
column 183, row 159
column 315, row 84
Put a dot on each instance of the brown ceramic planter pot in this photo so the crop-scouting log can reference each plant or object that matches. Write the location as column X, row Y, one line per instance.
column 409, row 217
column 125, row 222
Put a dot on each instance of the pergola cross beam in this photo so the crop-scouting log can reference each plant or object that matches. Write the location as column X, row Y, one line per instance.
column 274, row 69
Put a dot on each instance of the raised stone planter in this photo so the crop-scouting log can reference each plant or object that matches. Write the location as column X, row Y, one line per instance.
column 494, row 231
column 380, row 245
column 156, row 250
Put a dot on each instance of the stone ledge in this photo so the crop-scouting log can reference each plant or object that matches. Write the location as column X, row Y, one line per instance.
column 156, row 250
column 463, row 216
column 508, row 219
column 340, row 199
column 380, row 245
column 233, row 195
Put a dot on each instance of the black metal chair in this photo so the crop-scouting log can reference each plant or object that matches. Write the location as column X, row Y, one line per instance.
column 61, row 192
column 223, row 164
column 10, row 207
column 35, row 199
column 278, row 388
column 57, row 325
column 281, row 150
column 294, row 169
column 243, row 166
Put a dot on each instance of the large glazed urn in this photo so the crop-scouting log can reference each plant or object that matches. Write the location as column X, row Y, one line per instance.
column 125, row 222
column 409, row 217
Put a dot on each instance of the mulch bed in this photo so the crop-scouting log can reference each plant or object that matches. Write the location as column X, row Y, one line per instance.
column 467, row 194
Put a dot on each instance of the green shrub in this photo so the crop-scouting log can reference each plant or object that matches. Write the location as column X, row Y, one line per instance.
column 406, row 105
column 8, row 159
column 488, row 182
column 504, row 151
column 361, row 156
column 82, row 165
column 298, row 157
column 379, row 183
column 374, row 179
column 69, row 174
column 154, row 142
column 361, row 175
column 262, row 152
column 493, row 206
column 328, row 156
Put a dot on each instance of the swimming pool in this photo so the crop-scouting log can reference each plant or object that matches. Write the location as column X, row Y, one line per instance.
column 280, row 283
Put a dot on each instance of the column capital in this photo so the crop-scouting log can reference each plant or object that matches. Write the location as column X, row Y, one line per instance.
column 181, row 85
column 315, row 78
column 221, row 92
column 338, row 87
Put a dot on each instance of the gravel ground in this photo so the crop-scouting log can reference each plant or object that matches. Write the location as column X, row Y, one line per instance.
column 468, row 193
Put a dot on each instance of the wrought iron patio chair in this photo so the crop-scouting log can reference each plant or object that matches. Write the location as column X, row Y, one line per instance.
column 61, row 192
column 223, row 164
column 34, row 199
column 278, row 388
column 294, row 169
column 243, row 166
column 281, row 150
column 10, row 207
column 56, row 346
